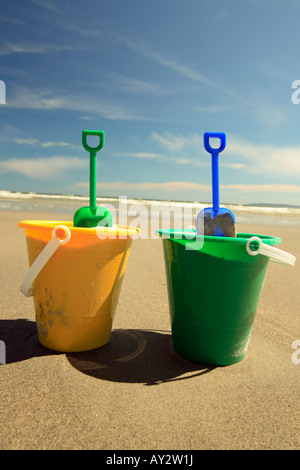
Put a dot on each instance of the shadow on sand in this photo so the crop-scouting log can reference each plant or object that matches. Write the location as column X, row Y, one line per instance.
column 131, row 356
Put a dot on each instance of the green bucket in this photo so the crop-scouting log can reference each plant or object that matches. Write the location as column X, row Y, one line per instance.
column 214, row 287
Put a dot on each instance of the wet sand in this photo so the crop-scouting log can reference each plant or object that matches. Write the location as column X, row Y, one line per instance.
column 136, row 393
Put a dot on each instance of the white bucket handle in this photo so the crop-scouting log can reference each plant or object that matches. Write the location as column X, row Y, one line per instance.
column 43, row 257
column 273, row 253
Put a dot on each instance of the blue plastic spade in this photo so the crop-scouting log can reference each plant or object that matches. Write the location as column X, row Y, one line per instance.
column 216, row 221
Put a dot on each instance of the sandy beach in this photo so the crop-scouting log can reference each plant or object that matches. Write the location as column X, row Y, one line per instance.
column 136, row 393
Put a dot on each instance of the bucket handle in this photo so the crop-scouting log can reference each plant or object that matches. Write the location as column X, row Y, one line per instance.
column 57, row 239
column 273, row 253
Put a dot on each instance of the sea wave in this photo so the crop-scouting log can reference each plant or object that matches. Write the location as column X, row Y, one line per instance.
column 60, row 203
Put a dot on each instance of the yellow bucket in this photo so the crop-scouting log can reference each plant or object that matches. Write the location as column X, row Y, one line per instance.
column 76, row 292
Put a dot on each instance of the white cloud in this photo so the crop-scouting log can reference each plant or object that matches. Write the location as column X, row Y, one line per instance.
column 174, row 186
column 183, row 70
column 186, row 146
column 168, row 186
column 266, row 160
column 37, row 142
column 10, row 48
column 88, row 118
column 48, row 99
column 234, row 166
column 56, row 144
column 141, row 155
column 157, row 57
column 262, row 110
column 174, row 143
column 148, row 155
column 263, row 188
column 42, row 167
column 48, row 4
column 29, row 98
column 267, row 113
column 27, row 141
column 131, row 85
column 175, row 160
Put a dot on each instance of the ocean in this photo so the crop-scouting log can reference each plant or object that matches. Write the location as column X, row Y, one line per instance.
column 181, row 214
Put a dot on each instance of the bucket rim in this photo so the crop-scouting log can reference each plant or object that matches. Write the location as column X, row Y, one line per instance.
column 241, row 237
column 50, row 224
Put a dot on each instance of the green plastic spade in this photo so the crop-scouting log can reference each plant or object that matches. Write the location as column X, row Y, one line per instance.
column 92, row 216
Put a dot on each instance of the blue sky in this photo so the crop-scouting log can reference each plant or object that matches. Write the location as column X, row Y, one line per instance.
column 154, row 76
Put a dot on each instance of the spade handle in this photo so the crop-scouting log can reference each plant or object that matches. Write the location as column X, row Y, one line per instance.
column 215, row 163
column 93, row 162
